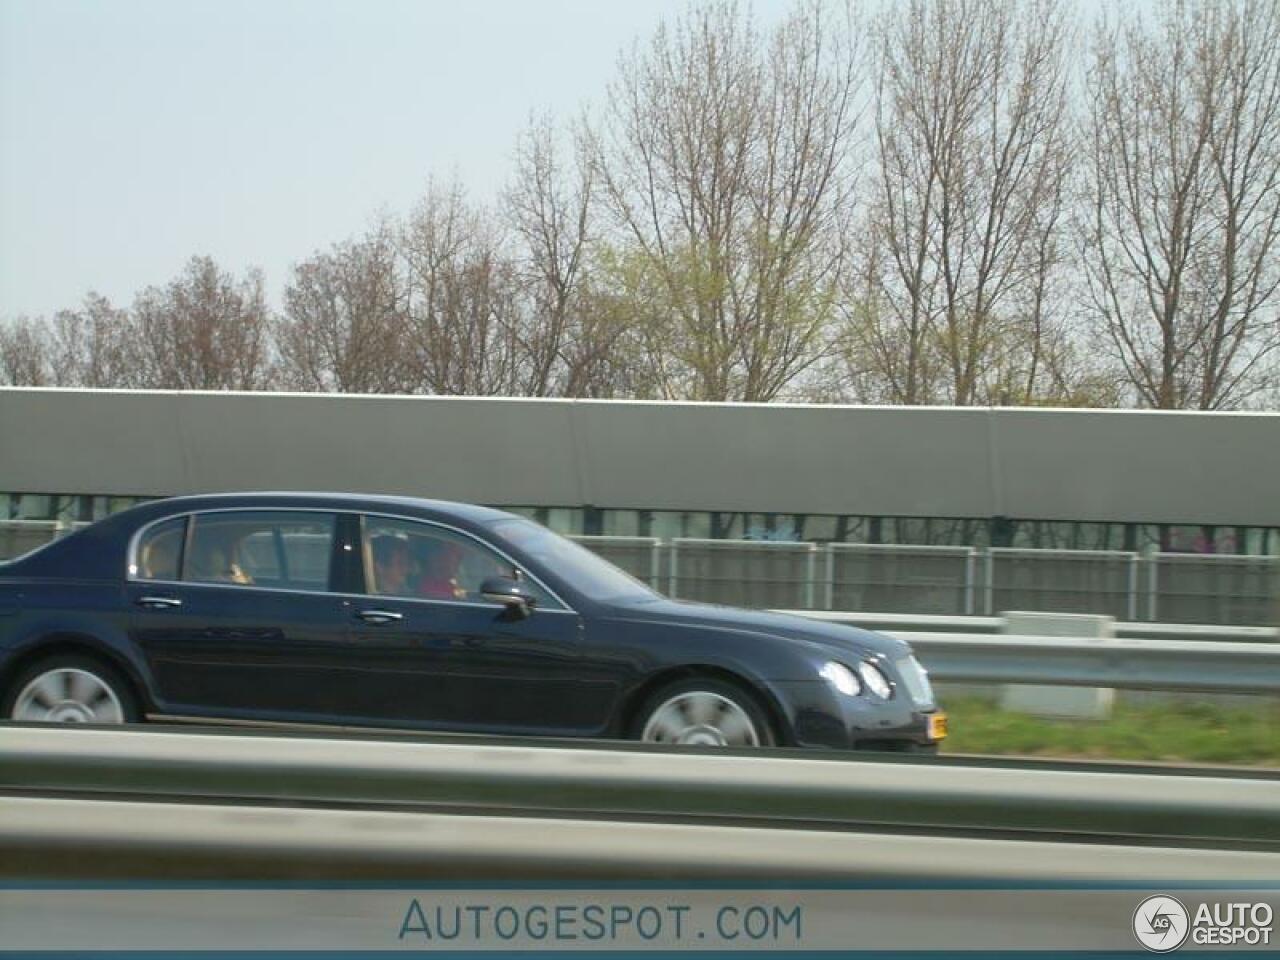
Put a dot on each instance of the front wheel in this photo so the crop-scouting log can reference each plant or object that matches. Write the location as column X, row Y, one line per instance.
column 69, row 690
column 703, row 712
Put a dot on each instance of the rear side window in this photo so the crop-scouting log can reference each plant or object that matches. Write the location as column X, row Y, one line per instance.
column 159, row 555
column 283, row 549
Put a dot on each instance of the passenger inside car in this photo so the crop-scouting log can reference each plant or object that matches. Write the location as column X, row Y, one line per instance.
column 391, row 566
column 439, row 562
column 159, row 558
column 214, row 560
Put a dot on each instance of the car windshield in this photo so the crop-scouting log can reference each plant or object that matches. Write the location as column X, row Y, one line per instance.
column 598, row 579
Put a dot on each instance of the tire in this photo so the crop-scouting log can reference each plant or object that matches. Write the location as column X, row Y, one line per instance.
column 70, row 689
column 703, row 711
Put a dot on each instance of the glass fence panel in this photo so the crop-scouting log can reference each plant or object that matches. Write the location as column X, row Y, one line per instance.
column 901, row 579
column 639, row 556
column 22, row 536
column 1233, row 591
column 1063, row 581
column 745, row 573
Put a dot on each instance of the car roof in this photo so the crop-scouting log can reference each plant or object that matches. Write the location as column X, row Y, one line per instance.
column 332, row 501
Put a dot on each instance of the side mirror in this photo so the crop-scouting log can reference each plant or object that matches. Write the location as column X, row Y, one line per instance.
column 512, row 594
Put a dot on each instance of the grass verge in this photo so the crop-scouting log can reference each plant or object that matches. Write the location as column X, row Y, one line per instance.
column 1172, row 732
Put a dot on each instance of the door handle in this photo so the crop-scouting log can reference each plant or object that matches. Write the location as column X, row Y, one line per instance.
column 158, row 603
column 380, row 616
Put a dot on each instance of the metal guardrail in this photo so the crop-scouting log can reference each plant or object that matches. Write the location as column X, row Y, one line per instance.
column 56, row 839
column 1212, row 666
column 108, row 804
column 600, row 779
column 1134, row 664
column 926, row 623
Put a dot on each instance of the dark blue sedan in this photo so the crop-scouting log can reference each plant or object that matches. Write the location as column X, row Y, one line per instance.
column 331, row 609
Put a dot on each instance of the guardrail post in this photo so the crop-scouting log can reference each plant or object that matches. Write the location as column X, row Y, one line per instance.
column 970, row 570
column 1133, row 589
column 671, row 572
column 810, row 576
column 831, row 577
column 1059, row 701
column 1153, row 566
column 989, row 587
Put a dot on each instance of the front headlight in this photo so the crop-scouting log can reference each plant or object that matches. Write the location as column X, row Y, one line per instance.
column 875, row 680
column 841, row 677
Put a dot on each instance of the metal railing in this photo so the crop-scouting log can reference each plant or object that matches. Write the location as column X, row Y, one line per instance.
column 1188, row 665
column 1063, row 581
column 597, row 777
column 61, row 839
column 906, row 579
column 933, row 624
column 1193, row 588
column 639, row 556
column 958, row 581
column 744, row 572
column 900, row 578
column 1206, row 660
column 22, row 536
column 99, row 803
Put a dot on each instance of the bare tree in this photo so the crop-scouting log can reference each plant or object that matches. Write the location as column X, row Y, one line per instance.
column 569, row 337
column 96, row 346
column 345, row 320
column 25, row 353
column 961, row 239
column 723, row 158
column 205, row 330
column 1180, row 238
column 464, row 304
column 551, row 218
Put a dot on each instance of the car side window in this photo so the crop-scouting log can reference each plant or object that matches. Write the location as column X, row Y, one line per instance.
column 159, row 551
column 285, row 550
column 405, row 558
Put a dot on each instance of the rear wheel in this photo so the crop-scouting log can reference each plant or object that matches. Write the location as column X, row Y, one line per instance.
column 703, row 712
column 70, row 689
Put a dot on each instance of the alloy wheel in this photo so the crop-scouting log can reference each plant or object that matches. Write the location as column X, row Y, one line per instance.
column 68, row 695
column 700, row 717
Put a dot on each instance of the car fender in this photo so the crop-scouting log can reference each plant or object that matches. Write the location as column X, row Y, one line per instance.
column 39, row 627
column 758, row 660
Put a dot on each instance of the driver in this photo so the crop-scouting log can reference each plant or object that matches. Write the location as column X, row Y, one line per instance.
column 441, row 562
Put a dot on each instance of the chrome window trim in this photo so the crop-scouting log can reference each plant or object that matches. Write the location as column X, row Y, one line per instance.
column 366, row 554
column 131, row 556
column 242, row 587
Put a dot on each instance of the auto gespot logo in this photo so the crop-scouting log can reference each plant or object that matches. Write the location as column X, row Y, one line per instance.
column 1162, row 924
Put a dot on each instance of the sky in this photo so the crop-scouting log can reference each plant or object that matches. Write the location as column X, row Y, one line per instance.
column 137, row 133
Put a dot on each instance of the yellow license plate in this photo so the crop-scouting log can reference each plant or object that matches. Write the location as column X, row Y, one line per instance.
column 937, row 726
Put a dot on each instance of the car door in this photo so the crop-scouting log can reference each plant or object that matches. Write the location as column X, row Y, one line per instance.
column 234, row 613
column 435, row 653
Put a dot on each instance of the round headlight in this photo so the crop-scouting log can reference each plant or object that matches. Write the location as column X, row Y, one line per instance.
column 841, row 677
column 875, row 680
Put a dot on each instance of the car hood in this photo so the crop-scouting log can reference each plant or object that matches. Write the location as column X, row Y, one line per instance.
column 834, row 638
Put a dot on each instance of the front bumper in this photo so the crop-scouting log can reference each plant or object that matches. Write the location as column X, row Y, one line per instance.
column 823, row 718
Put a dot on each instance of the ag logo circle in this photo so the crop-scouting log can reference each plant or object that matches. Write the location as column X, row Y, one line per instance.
column 1161, row 923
